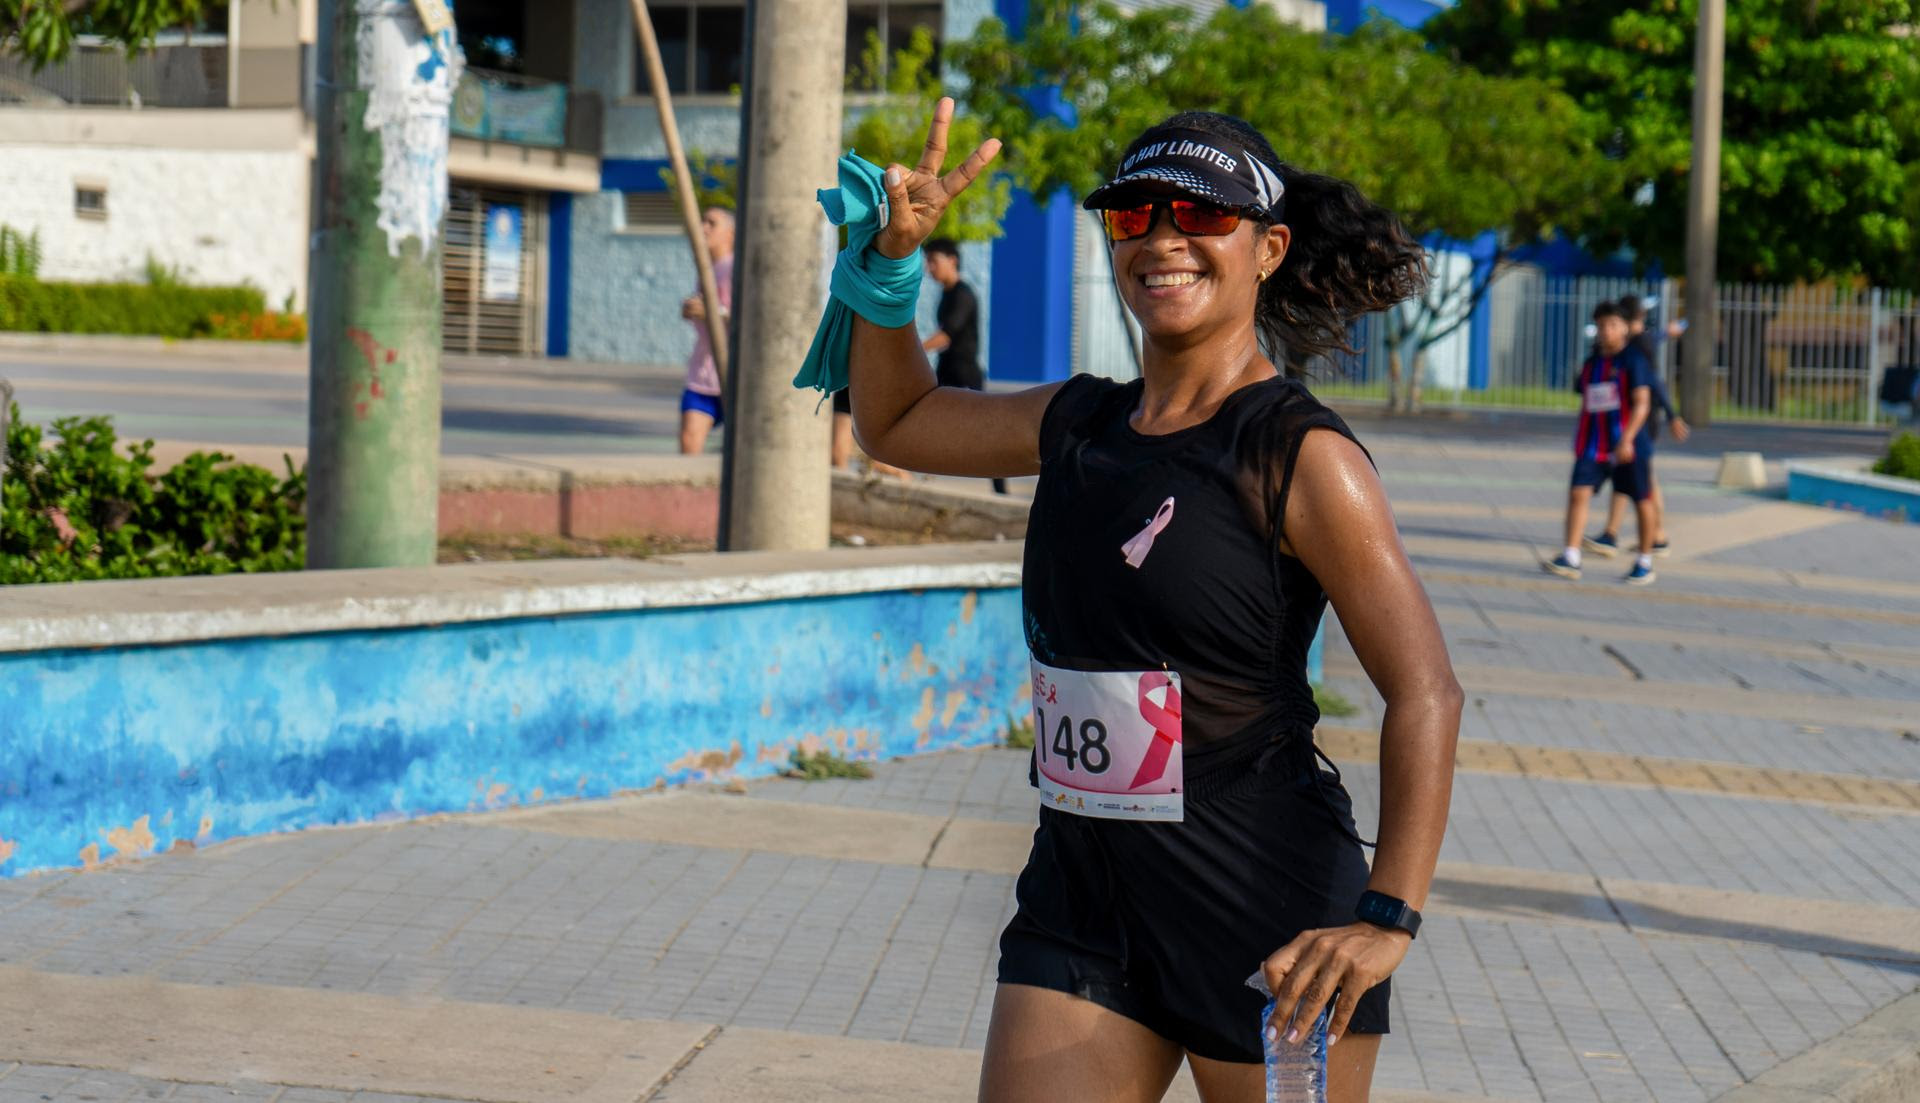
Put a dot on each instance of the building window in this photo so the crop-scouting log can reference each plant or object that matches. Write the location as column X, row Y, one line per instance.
column 893, row 24
column 700, row 48
column 701, row 44
column 649, row 212
column 90, row 200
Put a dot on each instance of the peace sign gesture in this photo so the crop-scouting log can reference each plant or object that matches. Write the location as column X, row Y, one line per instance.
column 917, row 197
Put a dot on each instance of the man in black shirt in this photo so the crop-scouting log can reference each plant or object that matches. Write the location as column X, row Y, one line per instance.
column 957, row 341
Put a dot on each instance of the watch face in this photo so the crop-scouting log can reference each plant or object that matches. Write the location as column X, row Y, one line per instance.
column 1380, row 909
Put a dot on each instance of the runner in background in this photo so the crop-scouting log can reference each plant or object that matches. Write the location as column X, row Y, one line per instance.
column 956, row 344
column 1648, row 342
column 700, row 402
column 1610, row 440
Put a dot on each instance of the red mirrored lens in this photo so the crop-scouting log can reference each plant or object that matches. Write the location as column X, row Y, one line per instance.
column 1204, row 219
column 1129, row 223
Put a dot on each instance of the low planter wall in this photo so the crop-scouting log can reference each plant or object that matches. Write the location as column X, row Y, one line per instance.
column 136, row 717
column 1850, row 486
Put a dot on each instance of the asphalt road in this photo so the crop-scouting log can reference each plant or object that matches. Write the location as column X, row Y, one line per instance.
column 221, row 394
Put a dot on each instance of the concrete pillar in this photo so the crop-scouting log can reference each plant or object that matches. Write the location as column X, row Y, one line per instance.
column 779, row 491
column 1703, row 214
column 381, row 166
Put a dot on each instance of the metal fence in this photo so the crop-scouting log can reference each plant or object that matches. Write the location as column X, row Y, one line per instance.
column 1817, row 353
column 100, row 75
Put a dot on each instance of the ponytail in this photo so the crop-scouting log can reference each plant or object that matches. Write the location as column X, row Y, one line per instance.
column 1348, row 256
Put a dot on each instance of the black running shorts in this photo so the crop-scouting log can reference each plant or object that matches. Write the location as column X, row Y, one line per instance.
column 1163, row 922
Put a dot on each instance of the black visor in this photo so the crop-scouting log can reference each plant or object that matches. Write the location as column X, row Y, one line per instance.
column 1197, row 164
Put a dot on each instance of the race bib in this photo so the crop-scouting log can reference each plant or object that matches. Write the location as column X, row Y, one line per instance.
column 1107, row 743
column 1603, row 397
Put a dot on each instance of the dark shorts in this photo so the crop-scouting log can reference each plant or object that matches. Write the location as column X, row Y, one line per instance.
column 966, row 375
column 1635, row 479
column 1163, row 922
column 843, row 401
column 708, row 404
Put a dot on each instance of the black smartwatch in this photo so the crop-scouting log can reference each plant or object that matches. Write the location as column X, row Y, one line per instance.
column 1386, row 911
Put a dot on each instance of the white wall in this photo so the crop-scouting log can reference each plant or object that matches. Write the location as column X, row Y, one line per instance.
column 219, row 216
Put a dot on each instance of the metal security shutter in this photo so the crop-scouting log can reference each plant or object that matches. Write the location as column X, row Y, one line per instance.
column 472, row 323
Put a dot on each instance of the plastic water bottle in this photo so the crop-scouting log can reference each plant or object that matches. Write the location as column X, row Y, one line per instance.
column 1296, row 1071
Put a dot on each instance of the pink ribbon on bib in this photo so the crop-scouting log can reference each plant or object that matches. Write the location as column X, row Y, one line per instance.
column 1165, row 721
column 1137, row 548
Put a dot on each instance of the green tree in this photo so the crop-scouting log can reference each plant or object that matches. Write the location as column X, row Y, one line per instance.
column 1821, row 122
column 43, row 30
column 1453, row 152
column 891, row 100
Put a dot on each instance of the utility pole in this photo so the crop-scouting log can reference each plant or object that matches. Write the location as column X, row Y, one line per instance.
column 1703, row 214
column 779, row 490
column 387, row 73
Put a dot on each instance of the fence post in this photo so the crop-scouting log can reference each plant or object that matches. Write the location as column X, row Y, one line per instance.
column 1876, row 363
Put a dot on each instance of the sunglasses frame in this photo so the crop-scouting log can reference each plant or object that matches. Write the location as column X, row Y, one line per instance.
column 1167, row 203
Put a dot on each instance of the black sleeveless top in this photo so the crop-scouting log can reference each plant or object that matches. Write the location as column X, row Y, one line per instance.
column 1214, row 599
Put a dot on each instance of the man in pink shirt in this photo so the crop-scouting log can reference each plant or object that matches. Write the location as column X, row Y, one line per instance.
column 700, row 403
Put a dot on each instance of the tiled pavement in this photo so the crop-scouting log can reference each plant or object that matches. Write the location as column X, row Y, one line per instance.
column 1490, row 1004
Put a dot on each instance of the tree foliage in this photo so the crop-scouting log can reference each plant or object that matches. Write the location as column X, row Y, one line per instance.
column 1452, row 151
column 1821, row 125
column 890, row 100
column 43, row 31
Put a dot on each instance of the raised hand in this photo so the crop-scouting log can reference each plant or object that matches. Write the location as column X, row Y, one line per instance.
column 917, row 197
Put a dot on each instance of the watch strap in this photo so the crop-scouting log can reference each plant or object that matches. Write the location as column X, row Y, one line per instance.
column 1389, row 912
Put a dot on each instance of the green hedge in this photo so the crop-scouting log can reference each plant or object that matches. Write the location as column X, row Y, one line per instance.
column 1902, row 459
column 75, row 505
column 160, row 310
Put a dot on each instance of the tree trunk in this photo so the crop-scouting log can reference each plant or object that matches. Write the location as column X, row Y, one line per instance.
column 1413, row 381
column 1393, row 379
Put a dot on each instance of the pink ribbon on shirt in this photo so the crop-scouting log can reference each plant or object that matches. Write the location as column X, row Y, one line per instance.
column 1165, row 721
column 1137, row 548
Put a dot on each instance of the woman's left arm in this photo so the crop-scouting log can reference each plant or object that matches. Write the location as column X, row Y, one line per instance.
column 1339, row 524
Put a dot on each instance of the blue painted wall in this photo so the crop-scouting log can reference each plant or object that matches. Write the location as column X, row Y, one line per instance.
column 123, row 751
column 1872, row 496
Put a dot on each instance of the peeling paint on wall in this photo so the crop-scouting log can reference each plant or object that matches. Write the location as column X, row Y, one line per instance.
column 149, row 748
column 409, row 80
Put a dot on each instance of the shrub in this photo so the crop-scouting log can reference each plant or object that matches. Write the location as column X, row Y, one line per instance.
column 162, row 309
column 1902, row 459
column 268, row 325
column 76, row 507
column 19, row 253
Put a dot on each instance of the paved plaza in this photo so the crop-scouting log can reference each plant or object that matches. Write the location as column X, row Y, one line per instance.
column 1683, row 864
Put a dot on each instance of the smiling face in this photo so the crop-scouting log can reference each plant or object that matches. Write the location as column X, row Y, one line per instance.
column 1185, row 288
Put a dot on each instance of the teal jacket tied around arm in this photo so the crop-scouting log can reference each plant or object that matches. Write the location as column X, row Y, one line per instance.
column 882, row 290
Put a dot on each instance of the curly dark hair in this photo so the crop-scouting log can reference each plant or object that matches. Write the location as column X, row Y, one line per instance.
column 1349, row 256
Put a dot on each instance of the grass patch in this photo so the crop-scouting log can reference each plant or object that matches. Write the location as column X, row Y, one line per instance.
column 1333, row 704
column 1019, row 734
column 821, row 765
column 1902, row 460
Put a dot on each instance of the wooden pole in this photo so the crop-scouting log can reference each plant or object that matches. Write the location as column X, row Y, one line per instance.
column 683, row 177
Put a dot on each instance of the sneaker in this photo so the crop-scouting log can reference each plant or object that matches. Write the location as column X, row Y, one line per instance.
column 1605, row 545
column 1660, row 549
column 1640, row 576
column 1561, row 567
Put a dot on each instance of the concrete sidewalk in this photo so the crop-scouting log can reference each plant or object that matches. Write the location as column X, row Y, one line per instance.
column 1681, row 866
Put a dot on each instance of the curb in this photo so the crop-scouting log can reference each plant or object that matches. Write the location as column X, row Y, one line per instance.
column 1875, row 1061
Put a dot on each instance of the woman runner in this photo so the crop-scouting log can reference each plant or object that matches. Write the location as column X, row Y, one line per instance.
column 1187, row 532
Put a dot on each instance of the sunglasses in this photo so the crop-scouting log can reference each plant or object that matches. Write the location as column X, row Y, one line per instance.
column 1189, row 217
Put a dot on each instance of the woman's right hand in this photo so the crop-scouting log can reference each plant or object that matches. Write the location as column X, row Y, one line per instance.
column 917, row 197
